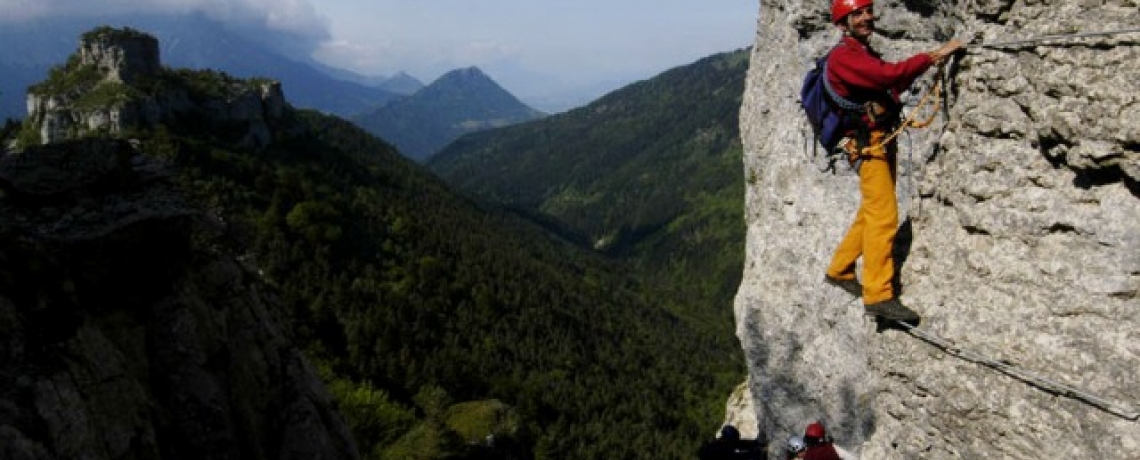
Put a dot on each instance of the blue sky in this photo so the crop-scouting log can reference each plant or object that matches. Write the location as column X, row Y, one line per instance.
column 529, row 46
column 580, row 41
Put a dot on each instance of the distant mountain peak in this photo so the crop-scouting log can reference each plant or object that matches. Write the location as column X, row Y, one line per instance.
column 468, row 72
column 618, row 172
column 402, row 83
column 469, row 77
column 460, row 102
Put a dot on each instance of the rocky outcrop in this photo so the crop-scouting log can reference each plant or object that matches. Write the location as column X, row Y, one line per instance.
column 115, row 84
column 741, row 412
column 1020, row 242
column 121, row 55
column 128, row 329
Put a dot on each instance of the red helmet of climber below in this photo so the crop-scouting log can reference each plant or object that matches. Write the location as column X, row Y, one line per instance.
column 815, row 430
column 841, row 8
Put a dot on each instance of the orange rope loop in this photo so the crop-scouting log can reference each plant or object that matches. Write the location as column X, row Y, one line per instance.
column 910, row 122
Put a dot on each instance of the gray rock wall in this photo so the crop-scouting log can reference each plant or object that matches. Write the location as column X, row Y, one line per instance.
column 1021, row 240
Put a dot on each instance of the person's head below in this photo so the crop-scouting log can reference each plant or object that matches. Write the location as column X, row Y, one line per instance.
column 796, row 448
column 856, row 18
column 814, row 434
column 729, row 433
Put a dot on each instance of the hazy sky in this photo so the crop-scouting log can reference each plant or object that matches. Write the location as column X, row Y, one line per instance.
column 579, row 40
column 566, row 43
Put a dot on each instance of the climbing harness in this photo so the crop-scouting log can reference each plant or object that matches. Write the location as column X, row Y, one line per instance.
column 909, row 121
column 1119, row 410
column 1051, row 38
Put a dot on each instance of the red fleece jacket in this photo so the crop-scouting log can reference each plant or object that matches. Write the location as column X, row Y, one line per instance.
column 860, row 74
column 823, row 451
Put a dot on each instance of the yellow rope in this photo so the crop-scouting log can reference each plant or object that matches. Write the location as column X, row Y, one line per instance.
column 909, row 122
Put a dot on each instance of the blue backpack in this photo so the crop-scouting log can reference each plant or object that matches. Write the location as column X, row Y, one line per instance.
column 831, row 115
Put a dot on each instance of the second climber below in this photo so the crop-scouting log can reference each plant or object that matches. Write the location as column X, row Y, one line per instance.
column 858, row 73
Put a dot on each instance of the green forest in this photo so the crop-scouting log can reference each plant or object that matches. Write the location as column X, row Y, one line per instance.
column 650, row 175
column 402, row 289
column 438, row 320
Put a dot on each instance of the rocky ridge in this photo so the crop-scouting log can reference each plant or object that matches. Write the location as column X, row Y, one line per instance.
column 130, row 327
column 1020, row 241
column 116, row 83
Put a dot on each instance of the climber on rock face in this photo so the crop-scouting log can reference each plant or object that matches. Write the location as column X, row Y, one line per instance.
column 818, row 446
column 858, row 73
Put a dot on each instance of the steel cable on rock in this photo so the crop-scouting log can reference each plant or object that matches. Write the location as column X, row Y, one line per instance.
column 1117, row 409
column 1048, row 38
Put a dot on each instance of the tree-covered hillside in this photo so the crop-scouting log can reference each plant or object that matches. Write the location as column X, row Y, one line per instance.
column 402, row 286
column 651, row 173
column 412, row 299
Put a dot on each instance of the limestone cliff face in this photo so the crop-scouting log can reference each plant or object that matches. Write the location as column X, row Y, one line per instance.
column 116, row 83
column 1020, row 242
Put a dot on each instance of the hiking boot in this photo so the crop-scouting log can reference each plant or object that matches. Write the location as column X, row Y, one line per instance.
column 892, row 309
column 852, row 285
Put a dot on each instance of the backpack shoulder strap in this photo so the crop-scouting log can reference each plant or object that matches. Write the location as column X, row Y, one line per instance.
column 839, row 101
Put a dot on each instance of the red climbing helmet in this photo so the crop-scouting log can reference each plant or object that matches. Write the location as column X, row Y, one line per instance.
column 815, row 430
column 841, row 8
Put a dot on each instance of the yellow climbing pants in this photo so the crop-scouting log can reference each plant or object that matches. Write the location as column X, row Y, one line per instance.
column 872, row 234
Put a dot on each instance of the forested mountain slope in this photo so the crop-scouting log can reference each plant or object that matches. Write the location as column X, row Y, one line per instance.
column 406, row 296
column 649, row 173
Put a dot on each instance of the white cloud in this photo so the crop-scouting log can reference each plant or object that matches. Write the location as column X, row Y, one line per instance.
column 425, row 60
column 370, row 58
column 296, row 16
column 293, row 17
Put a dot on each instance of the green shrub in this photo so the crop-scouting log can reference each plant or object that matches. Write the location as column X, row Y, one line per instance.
column 374, row 418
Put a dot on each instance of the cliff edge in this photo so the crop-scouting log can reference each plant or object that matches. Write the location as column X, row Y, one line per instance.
column 1020, row 241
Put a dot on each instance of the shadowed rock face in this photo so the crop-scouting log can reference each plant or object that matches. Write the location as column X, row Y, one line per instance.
column 129, row 330
column 1020, row 242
